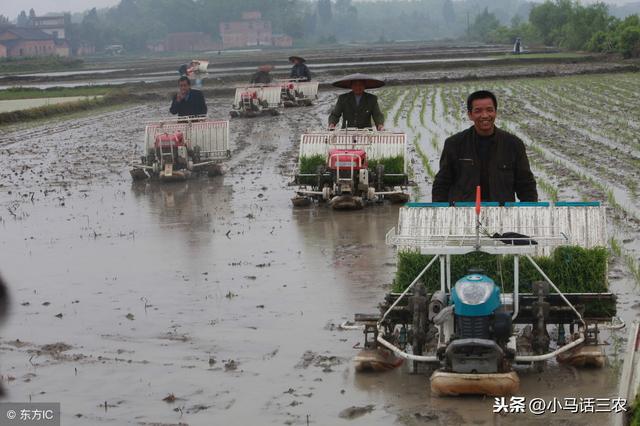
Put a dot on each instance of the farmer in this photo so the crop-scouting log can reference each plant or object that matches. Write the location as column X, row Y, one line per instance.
column 299, row 71
column 484, row 155
column 262, row 76
column 357, row 108
column 188, row 101
column 516, row 46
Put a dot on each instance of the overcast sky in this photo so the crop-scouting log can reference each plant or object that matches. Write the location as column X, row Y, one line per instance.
column 11, row 8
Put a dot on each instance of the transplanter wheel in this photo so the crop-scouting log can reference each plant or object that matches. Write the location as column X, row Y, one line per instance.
column 196, row 154
column 326, row 193
column 420, row 319
column 379, row 176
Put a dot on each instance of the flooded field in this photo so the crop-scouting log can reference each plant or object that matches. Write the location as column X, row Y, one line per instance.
column 214, row 302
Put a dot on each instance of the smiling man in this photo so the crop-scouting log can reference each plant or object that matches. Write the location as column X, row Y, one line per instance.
column 484, row 155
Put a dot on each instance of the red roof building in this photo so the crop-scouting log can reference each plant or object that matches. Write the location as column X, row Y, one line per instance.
column 27, row 42
column 251, row 31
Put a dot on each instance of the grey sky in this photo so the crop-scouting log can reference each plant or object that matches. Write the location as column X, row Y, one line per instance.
column 11, row 8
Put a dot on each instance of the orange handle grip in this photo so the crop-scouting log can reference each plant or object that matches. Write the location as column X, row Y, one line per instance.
column 478, row 200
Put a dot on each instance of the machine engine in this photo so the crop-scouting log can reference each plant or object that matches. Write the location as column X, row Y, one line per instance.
column 482, row 329
column 172, row 149
column 350, row 170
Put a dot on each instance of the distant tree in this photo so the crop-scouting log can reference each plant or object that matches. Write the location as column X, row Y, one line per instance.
column 630, row 42
column 32, row 13
column 549, row 18
column 4, row 20
column 448, row 13
column 583, row 23
column 90, row 29
column 310, row 23
column 22, row 19
column 567, row 24
column 483, row 25
column 345, row 20
column 516, row 21
column 602, row 41
column 324, row 11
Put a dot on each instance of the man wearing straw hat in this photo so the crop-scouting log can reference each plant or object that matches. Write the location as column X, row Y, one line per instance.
column 357, row 108
column 262, row 76
column 299, row 71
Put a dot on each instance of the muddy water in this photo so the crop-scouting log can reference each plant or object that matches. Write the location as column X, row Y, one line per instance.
column 214, row 291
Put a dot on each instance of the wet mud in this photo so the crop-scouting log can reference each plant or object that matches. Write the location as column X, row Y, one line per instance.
column 206, row 302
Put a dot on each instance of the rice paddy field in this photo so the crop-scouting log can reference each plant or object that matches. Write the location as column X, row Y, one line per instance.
column 581, row 132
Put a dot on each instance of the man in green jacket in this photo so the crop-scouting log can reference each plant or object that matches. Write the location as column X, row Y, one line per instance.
column 357, row 108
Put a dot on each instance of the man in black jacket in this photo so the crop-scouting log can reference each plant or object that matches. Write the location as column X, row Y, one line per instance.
column 484, row 155
column 187, row 101
column 357, row 107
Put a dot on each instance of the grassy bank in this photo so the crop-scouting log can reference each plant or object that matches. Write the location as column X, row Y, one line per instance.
column 554, row 55
column 113, row 98
column 53, row 92
column 38, row 64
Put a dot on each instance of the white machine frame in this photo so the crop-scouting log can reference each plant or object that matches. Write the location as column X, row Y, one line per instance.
column 443, row 245
column 211, row 136
column 271, row 94
column 375, row 144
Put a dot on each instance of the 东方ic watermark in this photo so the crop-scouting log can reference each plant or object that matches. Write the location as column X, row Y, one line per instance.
column 30, row 414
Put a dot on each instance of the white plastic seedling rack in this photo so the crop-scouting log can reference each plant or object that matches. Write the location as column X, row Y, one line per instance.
column 377, row 145
column 271, row 94
column 440, row 231
column 212, row 136
column 309, row 89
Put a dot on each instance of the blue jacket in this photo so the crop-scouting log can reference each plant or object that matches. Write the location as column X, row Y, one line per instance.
column 300, row 71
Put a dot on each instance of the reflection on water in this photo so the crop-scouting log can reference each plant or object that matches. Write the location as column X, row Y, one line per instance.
column 193, row 202
column 352, row 245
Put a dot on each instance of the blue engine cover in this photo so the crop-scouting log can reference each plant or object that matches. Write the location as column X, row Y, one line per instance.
column 475, row 295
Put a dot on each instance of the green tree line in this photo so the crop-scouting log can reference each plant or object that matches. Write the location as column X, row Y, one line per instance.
column 135, row 23
column 562, row 23
column 567, row 24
